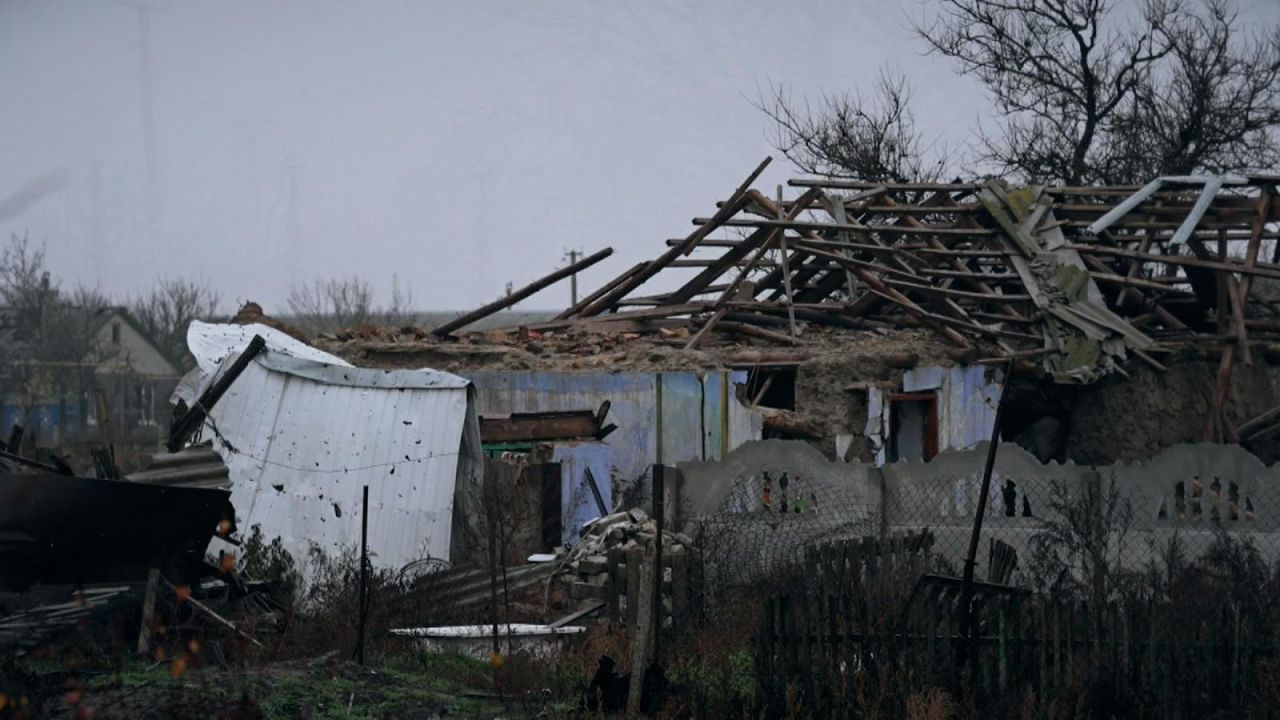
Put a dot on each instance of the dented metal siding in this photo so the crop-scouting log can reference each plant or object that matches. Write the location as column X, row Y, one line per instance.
column 307, row 437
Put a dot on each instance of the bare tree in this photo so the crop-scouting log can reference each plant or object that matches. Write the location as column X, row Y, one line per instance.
column 850, row 135
column 325, row 305
column 52, row 346
column 1087, row 92
column 167, row 311
column 1087, row 96
column 1213, row 105
column 1057, row 72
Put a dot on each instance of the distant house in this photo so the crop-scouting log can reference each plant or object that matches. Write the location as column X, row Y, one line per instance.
column 107, row 380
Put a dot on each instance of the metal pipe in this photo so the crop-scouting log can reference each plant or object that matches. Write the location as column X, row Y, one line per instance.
column 188, row 423
column 966, row 592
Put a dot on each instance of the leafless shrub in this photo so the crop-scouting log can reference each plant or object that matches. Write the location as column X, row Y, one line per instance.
column 1081, row 548
column 325, row 305
column 168, row 309
column 870, row 138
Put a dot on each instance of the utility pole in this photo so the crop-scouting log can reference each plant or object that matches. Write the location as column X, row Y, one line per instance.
column 573, row 256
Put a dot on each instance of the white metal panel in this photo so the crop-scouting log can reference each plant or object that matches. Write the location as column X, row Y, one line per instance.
column 301, row 440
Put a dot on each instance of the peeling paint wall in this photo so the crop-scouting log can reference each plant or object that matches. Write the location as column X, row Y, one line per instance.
column 577, row 504
column 967, row 398
column 661, row 417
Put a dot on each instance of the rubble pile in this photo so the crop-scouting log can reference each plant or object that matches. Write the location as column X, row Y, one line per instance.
column 587, row 564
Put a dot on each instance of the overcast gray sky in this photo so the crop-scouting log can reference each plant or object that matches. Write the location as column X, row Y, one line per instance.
column 456, row 145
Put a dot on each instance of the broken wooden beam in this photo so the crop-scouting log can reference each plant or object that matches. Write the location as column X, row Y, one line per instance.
column 540, row 426
column 651, row 269
column 522, row 293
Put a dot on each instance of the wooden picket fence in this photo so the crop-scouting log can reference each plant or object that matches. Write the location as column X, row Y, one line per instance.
column 681, row 588
column 828, row 655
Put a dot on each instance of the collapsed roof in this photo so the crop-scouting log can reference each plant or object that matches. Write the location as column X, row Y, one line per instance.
column 1076, row 278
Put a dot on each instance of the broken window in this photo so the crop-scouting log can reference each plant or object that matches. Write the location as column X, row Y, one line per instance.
column 144, row 404
column 90, row 405
column 773, row 387
column 913, row 426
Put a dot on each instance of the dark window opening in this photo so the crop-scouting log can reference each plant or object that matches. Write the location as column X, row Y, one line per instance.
column 772, row 387
column 913, row 426
column 1009, row 496
column 115, row 333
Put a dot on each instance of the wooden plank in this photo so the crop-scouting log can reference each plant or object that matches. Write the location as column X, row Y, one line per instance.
column 1266, row 270
column 757, row 332
column 642, row 632
column 635, row 561
column 652, row 268
column 679, row 592
column 904, row 229
column 732, row 257
column 1113, row 279
column 874, row 283
column 551, row 425
column 574, row 309
column 799, row 206
column 786, row 270
column 148, row 611
column 965, row 294
column 1250, row 263
column 1128, row 204
column 1210, row 191
column 658, row 312
column 590, row 607
column 522, row 293
column 836, row 184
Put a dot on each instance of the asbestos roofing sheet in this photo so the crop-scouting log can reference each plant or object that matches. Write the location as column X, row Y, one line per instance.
column 302, row 438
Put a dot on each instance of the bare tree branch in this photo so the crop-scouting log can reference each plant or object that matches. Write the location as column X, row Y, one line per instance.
column 871, row 139
column 167, row 311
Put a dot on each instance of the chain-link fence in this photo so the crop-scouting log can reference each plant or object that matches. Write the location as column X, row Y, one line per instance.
column 1087, row 577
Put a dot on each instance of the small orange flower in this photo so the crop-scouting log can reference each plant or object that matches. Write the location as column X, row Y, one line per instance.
column 226, row 563
column 495, row 660
column 177, row 667
column 183, row 592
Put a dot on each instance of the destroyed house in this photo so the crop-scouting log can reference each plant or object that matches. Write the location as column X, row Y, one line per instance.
column 877, row 319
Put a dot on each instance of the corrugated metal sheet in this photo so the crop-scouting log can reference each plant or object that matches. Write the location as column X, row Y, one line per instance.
column 302, row 438
column 191, row 467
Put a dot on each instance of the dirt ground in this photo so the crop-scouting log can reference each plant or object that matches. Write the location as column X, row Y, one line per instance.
column 424, row 686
